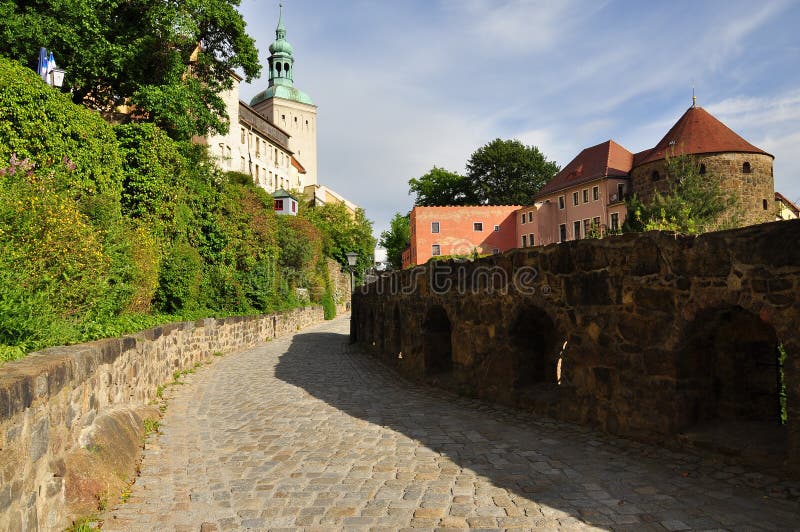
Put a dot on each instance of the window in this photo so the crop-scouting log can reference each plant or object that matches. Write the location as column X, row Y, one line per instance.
column 746, row 168
column 242, row 135
column 434, row 227
column 620, row 191
column 257, row 176
column 562, row 232
column 495, row 251
column 523, row 218
column 278, row 204
column 294, row 207
column 258, row 147
column 595, row 193
column 615, row 221
column 587, row 225
column 561, row 202
column 436, row 250
column 576, row 229
column 574, row 198
column 596, row 222
column 530, row 238
column 530, row 216
column 655, row 176
column 496, row 228
column 765, row 204
column 702, row 169
column 477, row 226
column 241, row 166
column 586, row 195
column 524, row 241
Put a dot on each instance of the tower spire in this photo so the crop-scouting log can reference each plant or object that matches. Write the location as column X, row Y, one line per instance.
column 694, row 98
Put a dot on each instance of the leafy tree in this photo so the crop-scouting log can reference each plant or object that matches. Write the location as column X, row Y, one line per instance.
column 396, row 239
column 138, row 52
column 507, row 172
column 441, row 187
column 343, row 233
column 693, row 204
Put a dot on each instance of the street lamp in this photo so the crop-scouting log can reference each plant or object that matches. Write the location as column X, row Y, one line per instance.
column 352, row 257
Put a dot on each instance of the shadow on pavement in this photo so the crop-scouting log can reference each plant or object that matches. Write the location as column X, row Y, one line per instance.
column 598, row 479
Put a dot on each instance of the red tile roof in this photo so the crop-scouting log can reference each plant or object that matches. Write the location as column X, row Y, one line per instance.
column 608, row 159
column 697, row 131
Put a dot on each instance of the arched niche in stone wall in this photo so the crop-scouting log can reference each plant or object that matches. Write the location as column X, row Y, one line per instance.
column 731, row 380
column 437, row 340
column 534, row 348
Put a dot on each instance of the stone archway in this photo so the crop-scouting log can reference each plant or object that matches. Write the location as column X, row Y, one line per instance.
column 437, row 341
column 730, row 375
column 397, row 332
column 534, row 342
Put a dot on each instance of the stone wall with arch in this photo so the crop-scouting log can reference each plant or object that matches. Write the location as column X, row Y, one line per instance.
column 752, row 187
column 652, row 335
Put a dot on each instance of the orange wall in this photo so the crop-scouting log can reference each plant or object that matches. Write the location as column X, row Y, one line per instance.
column 548, row 217
column 456, row 234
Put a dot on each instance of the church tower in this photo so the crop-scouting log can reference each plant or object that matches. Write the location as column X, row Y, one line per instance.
column 288, row 107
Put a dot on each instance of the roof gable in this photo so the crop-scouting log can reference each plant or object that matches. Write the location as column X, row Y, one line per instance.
column 696, row 132
column 607, row 159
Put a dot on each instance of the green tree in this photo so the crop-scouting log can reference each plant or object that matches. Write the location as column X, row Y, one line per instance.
column 343, row 233
column 441, row 187
column 138, row 52
column 507, row 172
column 396, row 239
column 693, row 203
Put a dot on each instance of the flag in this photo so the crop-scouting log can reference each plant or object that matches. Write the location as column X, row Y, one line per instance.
column 51, row 64
column 42, row 69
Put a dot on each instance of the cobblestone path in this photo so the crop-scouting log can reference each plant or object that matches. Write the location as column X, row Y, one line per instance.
column 303, row 433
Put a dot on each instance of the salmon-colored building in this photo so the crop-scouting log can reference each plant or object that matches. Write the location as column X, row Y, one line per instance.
column 586, row 196
column 438, row 231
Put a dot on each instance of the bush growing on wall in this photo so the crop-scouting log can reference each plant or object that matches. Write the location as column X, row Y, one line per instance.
column 103, row 228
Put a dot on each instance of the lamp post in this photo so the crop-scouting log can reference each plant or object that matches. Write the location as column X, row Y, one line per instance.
column 352, row 257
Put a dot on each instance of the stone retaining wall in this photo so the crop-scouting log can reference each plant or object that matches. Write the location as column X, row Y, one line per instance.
column 52, row 402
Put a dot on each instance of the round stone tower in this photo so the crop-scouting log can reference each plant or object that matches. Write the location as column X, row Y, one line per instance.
column 719, row 153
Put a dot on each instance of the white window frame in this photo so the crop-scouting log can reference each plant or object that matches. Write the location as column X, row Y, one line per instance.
column 496, row 228
column 562, row 202
column 436, row 250
column 438, row 227
column 475, row 227
column 575, row 198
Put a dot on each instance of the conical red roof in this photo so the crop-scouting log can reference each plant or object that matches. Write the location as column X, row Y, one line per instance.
column 697, row 131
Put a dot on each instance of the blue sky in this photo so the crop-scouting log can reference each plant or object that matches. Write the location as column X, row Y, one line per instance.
column 404, row 85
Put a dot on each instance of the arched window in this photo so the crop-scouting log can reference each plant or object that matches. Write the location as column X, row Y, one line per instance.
column 702, row 169
column 746, row 168
column 278, row 67
column 286, row 67
column 655, row 176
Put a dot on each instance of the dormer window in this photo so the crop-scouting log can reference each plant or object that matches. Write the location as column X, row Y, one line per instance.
column 746, row 168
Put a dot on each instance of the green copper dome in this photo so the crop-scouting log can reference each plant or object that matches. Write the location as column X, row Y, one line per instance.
column 281, row 71
column 282, row 91
column 280, row 46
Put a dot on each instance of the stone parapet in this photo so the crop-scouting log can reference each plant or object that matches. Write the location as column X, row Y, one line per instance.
column 62, row 403
column 655, row 336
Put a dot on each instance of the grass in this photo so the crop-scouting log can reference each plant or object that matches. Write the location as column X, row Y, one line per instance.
column 150, row 426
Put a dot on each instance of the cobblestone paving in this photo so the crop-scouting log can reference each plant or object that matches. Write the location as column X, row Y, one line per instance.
column 302, row 432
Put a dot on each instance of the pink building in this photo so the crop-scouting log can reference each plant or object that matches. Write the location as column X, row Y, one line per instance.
column 437, row 231
column 586, row 196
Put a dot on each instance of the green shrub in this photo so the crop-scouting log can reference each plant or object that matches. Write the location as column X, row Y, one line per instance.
column 180, row 279
column 40, row 123
column 328, row 305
